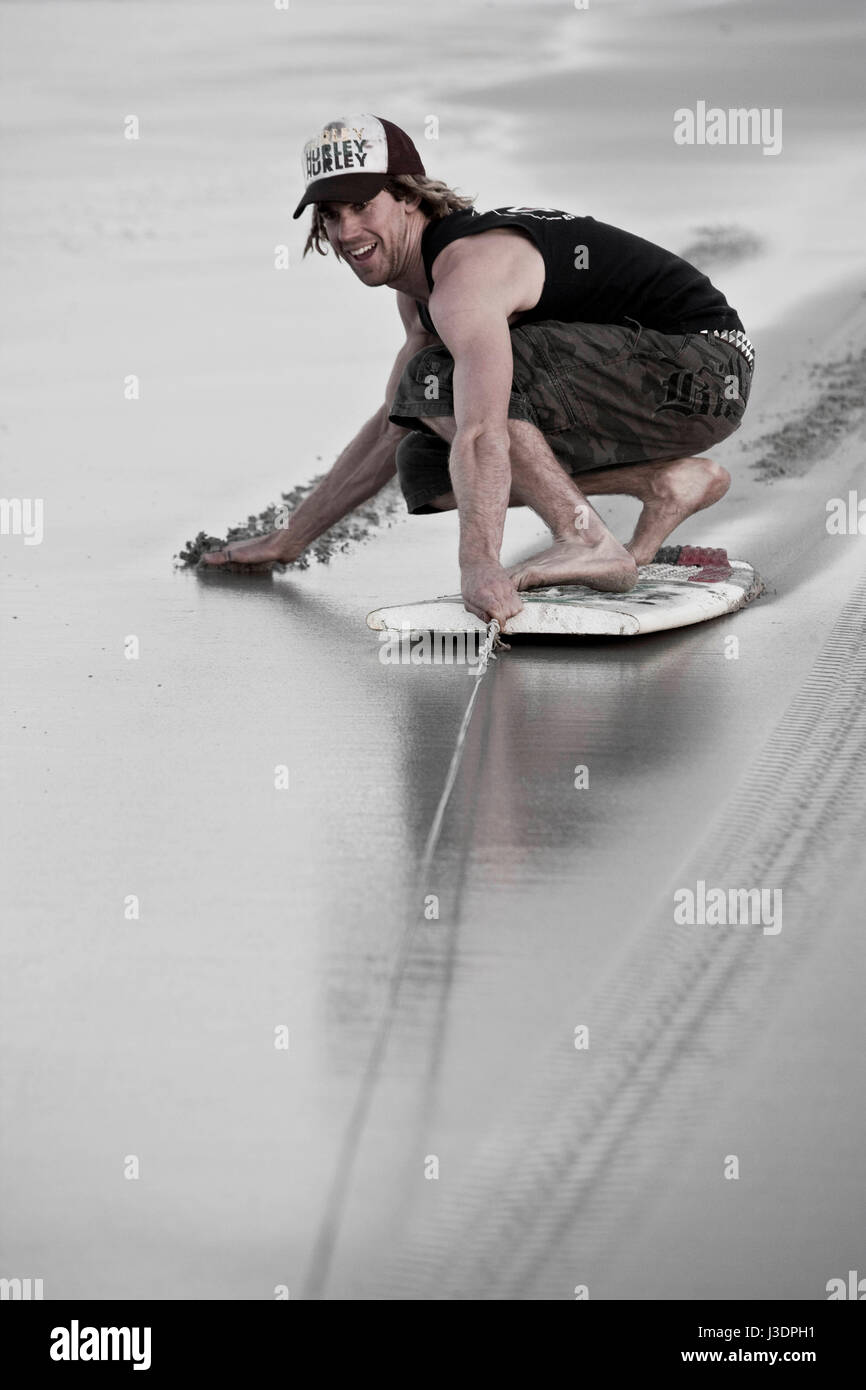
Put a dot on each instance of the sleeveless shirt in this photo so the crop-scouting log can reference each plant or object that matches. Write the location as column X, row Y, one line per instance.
column 594, row 273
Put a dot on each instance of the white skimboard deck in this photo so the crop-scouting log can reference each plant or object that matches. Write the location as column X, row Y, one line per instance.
column 683, row 585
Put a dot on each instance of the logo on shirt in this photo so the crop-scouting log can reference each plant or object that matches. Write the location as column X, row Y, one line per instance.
column 541, row 214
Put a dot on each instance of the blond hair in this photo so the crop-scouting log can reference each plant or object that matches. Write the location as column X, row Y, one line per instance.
column 437, row 200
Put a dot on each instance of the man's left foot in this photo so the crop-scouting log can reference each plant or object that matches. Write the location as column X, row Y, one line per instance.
column 673, row 492
column 608, row 566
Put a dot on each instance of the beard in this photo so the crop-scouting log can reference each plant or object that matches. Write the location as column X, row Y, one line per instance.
column 379, row 270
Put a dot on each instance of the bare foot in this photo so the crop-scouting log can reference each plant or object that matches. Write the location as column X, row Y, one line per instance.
column 258, row 555
column 674, row 491
column 606, row 566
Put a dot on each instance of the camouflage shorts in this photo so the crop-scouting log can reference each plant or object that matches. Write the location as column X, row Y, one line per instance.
column 602, row 394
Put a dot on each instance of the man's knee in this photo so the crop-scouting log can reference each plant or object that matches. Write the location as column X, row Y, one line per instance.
column 444, row 503
column 422, row 469
column 718, row 475
column 443, row 425
column 521, row 429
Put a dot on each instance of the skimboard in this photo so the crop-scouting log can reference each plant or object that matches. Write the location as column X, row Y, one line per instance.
column 684, row 584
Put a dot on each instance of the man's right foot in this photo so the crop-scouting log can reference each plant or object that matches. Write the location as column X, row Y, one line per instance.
column 607, row 566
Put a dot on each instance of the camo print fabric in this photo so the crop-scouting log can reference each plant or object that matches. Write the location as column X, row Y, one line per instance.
column 602, row 394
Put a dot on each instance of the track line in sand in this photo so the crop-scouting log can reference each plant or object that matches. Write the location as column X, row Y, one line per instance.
column 329, row 1230
column 485, row 655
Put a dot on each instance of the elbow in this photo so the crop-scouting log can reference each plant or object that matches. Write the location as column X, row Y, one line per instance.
column 485, row 436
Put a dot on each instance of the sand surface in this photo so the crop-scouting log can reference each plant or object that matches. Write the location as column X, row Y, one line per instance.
column 262, row 908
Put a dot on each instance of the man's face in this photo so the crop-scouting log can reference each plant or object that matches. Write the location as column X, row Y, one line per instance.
column 371, row 236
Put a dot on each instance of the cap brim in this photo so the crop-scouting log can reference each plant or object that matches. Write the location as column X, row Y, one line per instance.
column 342, row 188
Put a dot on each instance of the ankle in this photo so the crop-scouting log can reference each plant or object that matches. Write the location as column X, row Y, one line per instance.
column 590, row 536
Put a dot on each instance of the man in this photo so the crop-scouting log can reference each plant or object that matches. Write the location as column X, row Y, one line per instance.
column 542, row 349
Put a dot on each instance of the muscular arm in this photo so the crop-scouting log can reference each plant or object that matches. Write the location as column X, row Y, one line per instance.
column 477, row 336
column 367, row 463
column 481, row 282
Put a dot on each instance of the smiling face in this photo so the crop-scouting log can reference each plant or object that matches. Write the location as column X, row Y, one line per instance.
column 374, row 238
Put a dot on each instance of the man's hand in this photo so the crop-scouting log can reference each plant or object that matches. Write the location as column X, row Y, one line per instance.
column 489, row 593
column 258, row 554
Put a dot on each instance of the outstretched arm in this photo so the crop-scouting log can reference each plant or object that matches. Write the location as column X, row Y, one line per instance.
column 367, row 463
column 361, row 470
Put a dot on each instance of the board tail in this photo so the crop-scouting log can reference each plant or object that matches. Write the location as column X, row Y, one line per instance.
column 711, row 562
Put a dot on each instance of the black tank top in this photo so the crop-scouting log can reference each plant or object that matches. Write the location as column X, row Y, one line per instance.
column 594, row 273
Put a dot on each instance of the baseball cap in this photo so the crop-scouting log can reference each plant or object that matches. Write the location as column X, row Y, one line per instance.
column 351, row 159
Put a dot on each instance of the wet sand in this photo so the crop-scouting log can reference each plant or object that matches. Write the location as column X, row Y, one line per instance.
column 261, row 908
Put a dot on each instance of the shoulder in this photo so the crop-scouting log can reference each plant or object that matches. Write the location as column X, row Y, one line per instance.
column 489, row 244
column 501, row 263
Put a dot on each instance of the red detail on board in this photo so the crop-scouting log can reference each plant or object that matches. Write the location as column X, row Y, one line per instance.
column 704, row 555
